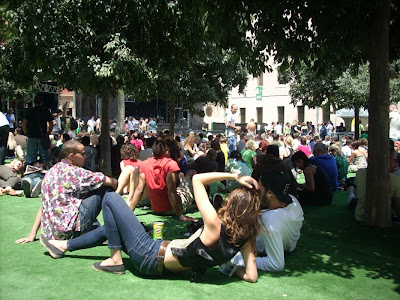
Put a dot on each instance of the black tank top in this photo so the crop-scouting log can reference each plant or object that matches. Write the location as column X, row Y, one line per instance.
column 200, row 257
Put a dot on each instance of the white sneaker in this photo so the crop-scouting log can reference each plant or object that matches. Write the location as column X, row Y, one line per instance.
column 36, row 189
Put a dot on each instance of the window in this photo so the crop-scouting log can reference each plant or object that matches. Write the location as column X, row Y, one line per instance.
column 281, row 114
column 243, row 115
column 259, row 115
column 300, row 113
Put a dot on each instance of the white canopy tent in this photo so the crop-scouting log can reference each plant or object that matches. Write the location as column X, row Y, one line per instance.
column 349, row 113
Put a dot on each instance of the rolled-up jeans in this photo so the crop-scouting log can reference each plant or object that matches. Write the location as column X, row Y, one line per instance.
column 123, row 231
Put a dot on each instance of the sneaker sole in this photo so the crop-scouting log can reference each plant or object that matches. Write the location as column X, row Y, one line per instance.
column 36, row 190
column 26, row 186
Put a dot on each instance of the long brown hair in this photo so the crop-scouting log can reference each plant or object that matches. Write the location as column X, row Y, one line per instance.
column 240, row 214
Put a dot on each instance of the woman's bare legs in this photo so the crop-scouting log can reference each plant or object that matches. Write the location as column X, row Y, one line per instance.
column 124, row 180
column 134, row 181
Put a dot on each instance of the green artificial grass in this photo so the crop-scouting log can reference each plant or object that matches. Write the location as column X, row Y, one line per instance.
column 336, row 258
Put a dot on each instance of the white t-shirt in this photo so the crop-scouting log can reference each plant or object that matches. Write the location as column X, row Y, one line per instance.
column 278, row 129
column 346, row 151
column 12, row 118
column 3, row 120
column 282, row 233
column 230, row 118
column 394, row 127
column 91, row 124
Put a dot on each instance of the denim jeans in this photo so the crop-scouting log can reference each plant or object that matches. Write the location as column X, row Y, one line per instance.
column 4, row 130
column 123, row 231
column 90, row 208
column 33, row 178
column 34, row 147
column 232, row 143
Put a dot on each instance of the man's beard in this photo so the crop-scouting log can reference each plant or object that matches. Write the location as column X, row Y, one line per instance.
column 264, row 202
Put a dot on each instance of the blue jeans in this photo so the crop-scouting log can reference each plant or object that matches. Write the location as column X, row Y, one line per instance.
column 4, row 130
column 90, row 208
column 33, row 178
column 33, row 148
column 123, row 231
column 232, row 143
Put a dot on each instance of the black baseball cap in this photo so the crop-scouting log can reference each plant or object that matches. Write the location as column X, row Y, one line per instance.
column 278, row 183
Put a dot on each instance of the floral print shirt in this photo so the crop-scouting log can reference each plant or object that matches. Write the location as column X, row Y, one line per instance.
column 63, row 190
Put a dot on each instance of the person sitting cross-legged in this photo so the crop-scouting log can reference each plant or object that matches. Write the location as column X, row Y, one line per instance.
column 317, row 189
column 282, row 218
column 159, row 177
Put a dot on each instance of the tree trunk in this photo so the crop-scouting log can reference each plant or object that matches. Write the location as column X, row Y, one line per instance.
column 377, row 206
column 121, row 113
column 171, row 117
column 356, row 123
column 105, row 145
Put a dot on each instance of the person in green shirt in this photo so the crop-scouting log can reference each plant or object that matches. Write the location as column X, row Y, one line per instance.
column 248, row 154
column 341, row 162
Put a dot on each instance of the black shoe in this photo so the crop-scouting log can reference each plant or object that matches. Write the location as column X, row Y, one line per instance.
column 119, row 270
column 26, row 186
column 36, row 189
column 53, row 251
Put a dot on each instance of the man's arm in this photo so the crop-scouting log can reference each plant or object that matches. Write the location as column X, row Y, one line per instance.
column 32, row 235
column 138, row 192
column 25, row 126
column 274, row 261
column 172, row 178
column 50, row 126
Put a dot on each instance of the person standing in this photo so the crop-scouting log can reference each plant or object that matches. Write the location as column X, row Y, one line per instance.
column 91, row 125
column 394, row 128
column 11, row 119
column 231, row 128
column 37, row 121
column 251, row 128
column 4, row 130
column 153, row 125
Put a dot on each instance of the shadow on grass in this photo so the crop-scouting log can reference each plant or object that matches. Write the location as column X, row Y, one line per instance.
column 333, row 243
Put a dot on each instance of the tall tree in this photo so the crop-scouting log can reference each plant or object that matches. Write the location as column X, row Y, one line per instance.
column 330, row 34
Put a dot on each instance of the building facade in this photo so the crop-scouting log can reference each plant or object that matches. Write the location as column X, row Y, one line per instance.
column 267, row 101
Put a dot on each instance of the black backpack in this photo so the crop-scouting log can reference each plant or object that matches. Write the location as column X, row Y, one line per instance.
column 73, row 123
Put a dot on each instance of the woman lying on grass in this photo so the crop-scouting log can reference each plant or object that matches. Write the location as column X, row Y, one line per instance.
column 232, row 229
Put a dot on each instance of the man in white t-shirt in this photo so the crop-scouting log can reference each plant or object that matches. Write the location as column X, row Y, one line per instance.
column 394, row 127
column 278, row 128
column 231, row 128
column 91, row 125
column 282, row 218
column 11, row 119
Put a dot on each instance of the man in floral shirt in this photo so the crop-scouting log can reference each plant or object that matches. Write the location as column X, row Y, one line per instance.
column 71, row 196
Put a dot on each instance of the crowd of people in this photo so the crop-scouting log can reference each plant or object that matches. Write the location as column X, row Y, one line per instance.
column 248, row 187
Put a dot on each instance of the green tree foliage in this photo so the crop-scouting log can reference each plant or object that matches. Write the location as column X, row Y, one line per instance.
column 322, row 34
column 149, row 49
